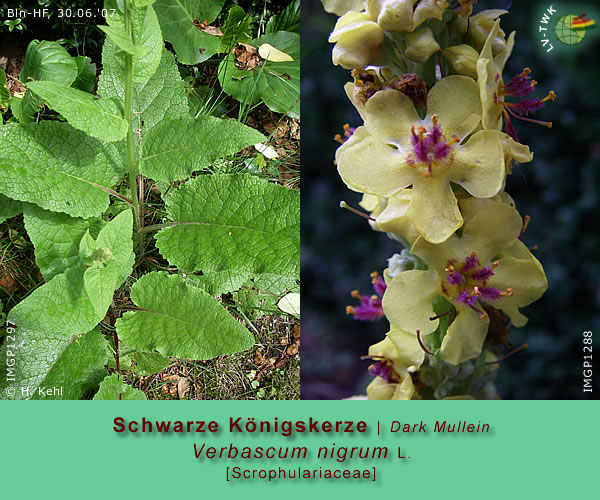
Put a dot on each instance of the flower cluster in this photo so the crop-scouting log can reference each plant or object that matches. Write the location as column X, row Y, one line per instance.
column 431, row 159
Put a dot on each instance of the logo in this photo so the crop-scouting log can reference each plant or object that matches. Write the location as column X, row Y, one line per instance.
column 571, row 29
column 559, row 28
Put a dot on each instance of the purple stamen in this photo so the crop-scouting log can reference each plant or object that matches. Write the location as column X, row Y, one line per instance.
column 483, row 274
column 379, row 285
column 528, row 106
column 455, row 278
column 471, row 262
column 464, row 297
column 489, row 294
column 383, row 369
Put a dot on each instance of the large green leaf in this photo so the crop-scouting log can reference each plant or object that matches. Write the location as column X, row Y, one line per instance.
column 276, row 83
column 145, row 43
column 9, row 208
column 109, row 259
column 236, row 29
column 174, row 149
column 177, row 17
column 51, row 365
column 113, row 387
column 56, row 238
column 86, row 74
column 61, row 305
column 160, row 98
column 287, row 20
column 48, row 61
column 5, row 95
column 43, row 61
column 180, row 320
column 58, row 168
column 100, row 118
column 233, row 222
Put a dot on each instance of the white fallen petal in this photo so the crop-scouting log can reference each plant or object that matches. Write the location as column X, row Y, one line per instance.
column 290, row 304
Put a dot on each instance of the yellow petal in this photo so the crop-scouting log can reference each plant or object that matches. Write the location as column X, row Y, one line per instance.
column 270, row 53
column 340, row 7
column 493, row 228
column 380, row 390
column 456, row 100
column 465, row 336
column 375, row 168
column 405, row 390
column 478, row 165
column 463, row 59
column 389, row 116
column 434, row 209
column 407, row 302
column 409, row 353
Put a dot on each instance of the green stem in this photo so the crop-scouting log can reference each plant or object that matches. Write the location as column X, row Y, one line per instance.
column 138, row 208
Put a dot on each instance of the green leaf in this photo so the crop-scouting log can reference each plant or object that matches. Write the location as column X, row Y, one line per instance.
column 9, row 208
column 48, row 61
column 233, row 222
column 145, row 43
column 288, row 20
column 255, row 303
column 236, row 29
column 160, row 98
column 176, row 17
column 220, row 282
column 275, row 283
column 290, row 304
column 180, row 320
column 276, row 83
column 4, row 92
column 174, row 149
column 104, row 275
column 100, row 118
column 61, row 305
column 56, row 238
column 140, row 363
column 113, row 387
column 123, row 41
column 86, row 74
column 47, row 366
column 58, row 168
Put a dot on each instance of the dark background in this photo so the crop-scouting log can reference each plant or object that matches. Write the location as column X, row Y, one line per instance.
column 559, row 190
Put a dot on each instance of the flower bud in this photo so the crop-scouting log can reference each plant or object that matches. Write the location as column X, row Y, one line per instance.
column 420, row 44
column 480, row 26
column 463, row 59
column 405, row 15
column 357, row 38
column 340, row 7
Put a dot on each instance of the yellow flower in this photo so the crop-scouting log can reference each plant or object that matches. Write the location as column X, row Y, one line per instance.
column 486, row 265
column 463, row 59
column 357, row 37
column 494, row 92
column 380, row 389
column 405, row 15
column 396, row 149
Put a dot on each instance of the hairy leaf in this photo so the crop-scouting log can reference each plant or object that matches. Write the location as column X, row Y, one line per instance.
column 180, row 320
column 50, row 365
column 56, row 238
column 140, row 363
column 100, row 118
column 235, row 222
column 61, row 305
column 5, row 95
column 220, row 282
column 9, row 208
column 121, row 38
column 177, row 17
column 113, row 387
column 58, row 168
column 276, row 83
column 174, row 149
column 160, row 98
column 111, row 261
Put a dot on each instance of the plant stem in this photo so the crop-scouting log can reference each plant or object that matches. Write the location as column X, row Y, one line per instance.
column 138, row 208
